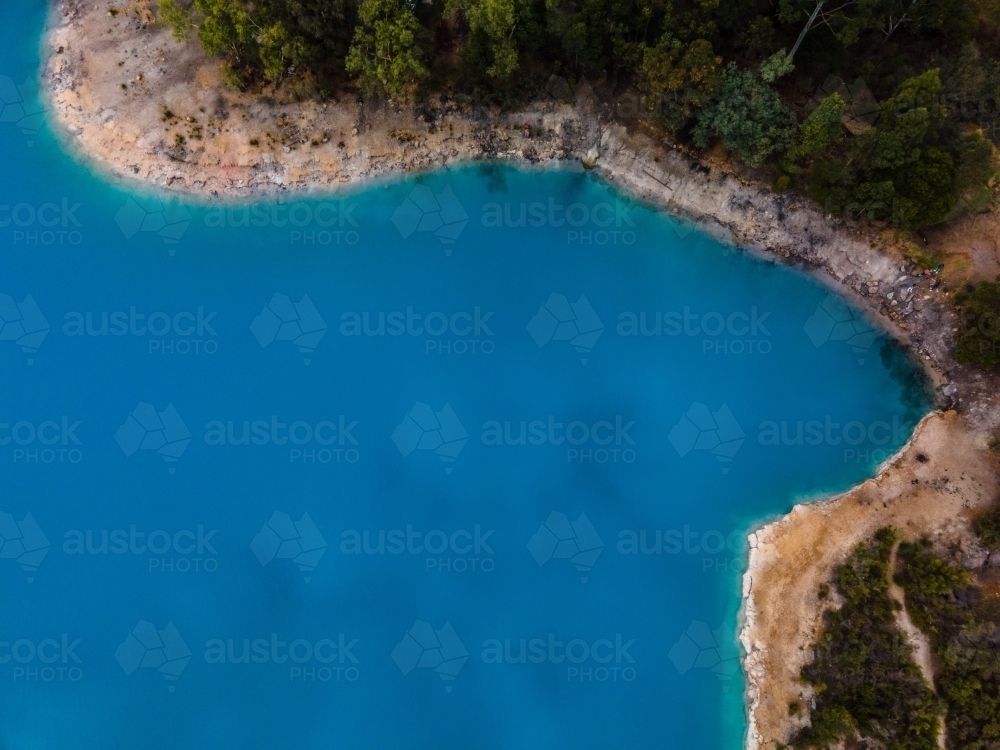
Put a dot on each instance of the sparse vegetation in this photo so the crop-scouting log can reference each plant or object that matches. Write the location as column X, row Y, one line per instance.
column 867, row 686
column 987, row 526
column 963, row 625
column 864, row 677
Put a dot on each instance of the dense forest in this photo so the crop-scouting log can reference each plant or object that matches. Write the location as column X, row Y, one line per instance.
column 883, row 109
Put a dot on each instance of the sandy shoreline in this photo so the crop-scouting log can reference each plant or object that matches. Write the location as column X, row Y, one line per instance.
column 137, row 105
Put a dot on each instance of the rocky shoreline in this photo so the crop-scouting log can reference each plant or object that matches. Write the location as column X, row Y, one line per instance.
column 153, row 112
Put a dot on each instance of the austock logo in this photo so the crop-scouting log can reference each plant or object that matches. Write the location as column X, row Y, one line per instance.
column 613, row 224
column 603, row 660
column 717, row 551
column 424, row 429
column 702, row 429
column 146, row 647
column 461, row 551
column 284, row 320
column 334, row 437
column 56, row 439
column 701, row 647
column 558, row 538
column 833, row 320
column 601, row 442
column 147, row 429
column 335, row 657
column 168, row 333
column 863, row 441
column 48, row 223
column 23, row 324
column 736, row 333
column 281, row 538
column 45, row 661
column 337, row 225
column 23, row 542
column 149, row 215
column 423, row 647
column 183, row 551
column 456, row 333
column 561, row 320
column 440, row 214
column 20, row 105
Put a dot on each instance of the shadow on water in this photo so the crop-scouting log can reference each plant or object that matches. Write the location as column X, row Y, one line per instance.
column 917, row 395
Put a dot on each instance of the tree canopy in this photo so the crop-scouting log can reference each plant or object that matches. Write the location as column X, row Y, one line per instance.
column 885, row 109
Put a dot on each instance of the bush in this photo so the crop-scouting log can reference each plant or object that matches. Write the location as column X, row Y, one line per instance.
column 749, row 115
column 979, row 306
column 987, row 526
column 865, row 679
column 965, row 637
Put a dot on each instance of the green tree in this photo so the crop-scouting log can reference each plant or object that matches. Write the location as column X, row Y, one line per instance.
column 749, row 115
column 979, row 344
column 498, row 30
column 926, row 188
column 910, row 119
column 278, row 49
column 177, row 18
column 913, row 166
column 264, row 38
column 819, row 130
column 680, row 79
column 849, row 20
column 386, row 54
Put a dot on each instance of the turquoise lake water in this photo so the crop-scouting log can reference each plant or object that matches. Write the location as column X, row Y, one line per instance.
column 394, row 469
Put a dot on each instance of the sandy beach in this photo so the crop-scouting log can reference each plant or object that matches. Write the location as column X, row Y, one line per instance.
column 149, row 111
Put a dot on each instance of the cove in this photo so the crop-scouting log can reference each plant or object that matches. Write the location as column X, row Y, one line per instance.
column 465, row 460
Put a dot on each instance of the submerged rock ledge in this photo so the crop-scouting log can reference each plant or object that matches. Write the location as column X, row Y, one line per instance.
column 153, row 112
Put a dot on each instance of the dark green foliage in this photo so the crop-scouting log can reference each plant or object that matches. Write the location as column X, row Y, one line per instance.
column 979, row 344
column 972, row 83
column 911, row 167
column 696, row 71
column 965, row 639
column 749, row 115
column 929, row 583
column 265, row 38
column 820, row 130
column 863, row 674
column 386, row 54
column 681, row 79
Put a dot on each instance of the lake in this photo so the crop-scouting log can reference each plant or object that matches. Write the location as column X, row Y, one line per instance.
column 464, row 460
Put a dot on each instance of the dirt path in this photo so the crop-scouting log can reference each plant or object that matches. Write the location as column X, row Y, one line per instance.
column 918, row 641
